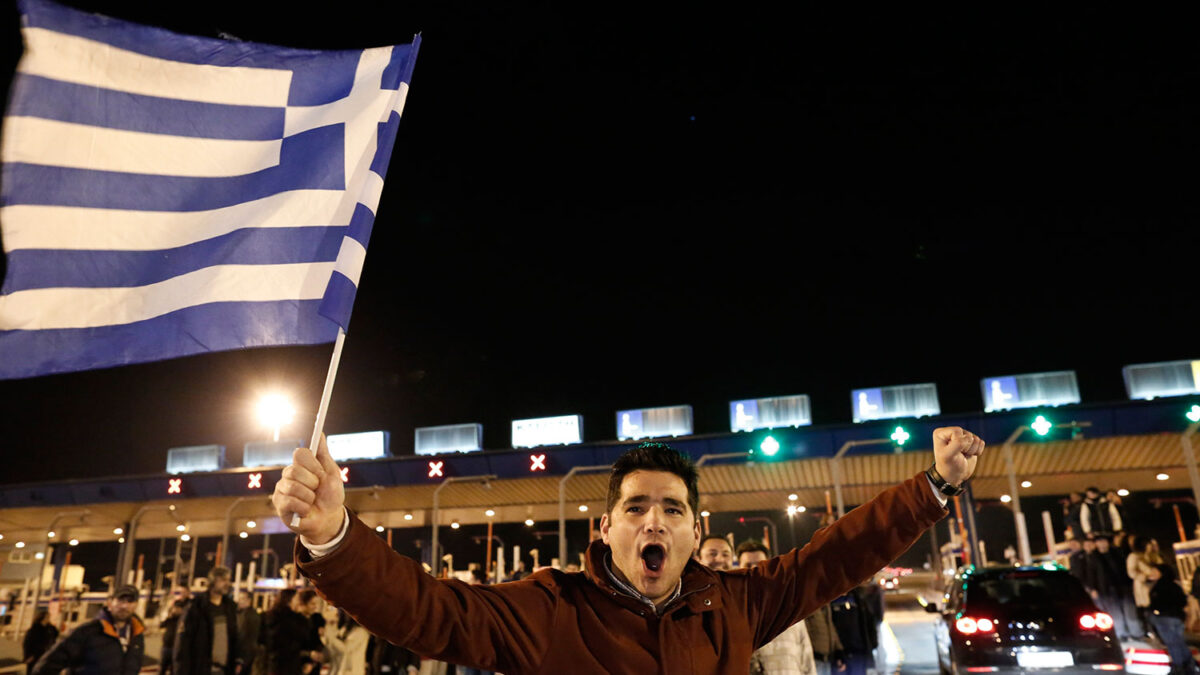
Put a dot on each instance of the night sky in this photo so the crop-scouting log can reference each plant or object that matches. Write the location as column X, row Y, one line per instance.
column 592, row 208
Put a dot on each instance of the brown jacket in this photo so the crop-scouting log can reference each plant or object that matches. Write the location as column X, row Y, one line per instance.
column 555, row 622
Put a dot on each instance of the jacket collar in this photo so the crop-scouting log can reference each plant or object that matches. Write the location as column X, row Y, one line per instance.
column 696, row 588
column 135, row 624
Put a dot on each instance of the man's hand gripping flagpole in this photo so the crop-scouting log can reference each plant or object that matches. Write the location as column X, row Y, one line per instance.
column 309, row 497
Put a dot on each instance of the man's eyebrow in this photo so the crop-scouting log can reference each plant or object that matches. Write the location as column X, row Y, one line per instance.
column 642, row 499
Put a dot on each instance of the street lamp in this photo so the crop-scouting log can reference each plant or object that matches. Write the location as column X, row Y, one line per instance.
column 836, row 462
column 437, row 558
column 1041, row 426
column 274, row 411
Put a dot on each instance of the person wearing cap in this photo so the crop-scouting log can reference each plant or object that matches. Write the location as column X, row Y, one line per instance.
column 113, row 643
column 641, row 603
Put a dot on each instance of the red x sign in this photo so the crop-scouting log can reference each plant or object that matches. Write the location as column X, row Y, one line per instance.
column 537, row 462
column 255, row 480
column 345, row 474
column 174, row 486
column 435, row 469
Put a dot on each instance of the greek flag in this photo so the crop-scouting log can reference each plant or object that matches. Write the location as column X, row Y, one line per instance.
column 165, row 195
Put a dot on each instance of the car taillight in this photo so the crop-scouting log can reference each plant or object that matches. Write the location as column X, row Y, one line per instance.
column 970, row 626
column 1097, row 621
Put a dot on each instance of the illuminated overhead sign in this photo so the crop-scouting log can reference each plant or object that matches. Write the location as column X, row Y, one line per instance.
column 175, row 486
column 1029, row 391
column 270, row 453
column 449, row 438
column 885, row 403
column 196, row 458
column 435, row 469
column 254, row 481
column 770, row 413
column 673, row 420
column 561, row 430
column 364, row 445
column 1168, row 378
column 537, row 462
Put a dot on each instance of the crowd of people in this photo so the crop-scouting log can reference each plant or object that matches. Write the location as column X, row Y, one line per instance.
column 212, row 634
column 1127, row 575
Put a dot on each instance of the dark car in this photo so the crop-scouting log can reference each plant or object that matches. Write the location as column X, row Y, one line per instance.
column 1023, row 620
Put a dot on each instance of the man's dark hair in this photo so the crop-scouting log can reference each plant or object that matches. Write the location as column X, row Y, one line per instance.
column 751, row 545
column 712, row 536
column 655, row 457
column 219, row 572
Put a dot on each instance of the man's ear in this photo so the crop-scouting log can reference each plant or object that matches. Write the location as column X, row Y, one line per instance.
column 604, row 525
column 696, row 541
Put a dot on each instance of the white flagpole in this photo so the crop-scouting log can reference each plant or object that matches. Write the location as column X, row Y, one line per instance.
column 324, row 405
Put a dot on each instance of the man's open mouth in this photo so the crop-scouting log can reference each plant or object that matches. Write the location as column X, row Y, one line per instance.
column 654, row 556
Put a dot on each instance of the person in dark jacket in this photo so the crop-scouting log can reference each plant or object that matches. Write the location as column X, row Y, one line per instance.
column 287, row 635
column 40, row 637
column 207, row 639
column 113, row 643
column 855, row 622
column 249, row 626
column 170, row 626
column 386, row 658
column 1167, row 613
column 1094, row 516
column 1071, row 515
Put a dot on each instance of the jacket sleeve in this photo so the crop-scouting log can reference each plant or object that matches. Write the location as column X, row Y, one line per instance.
column 787, row 588
column 66, row 653
column 505, row 627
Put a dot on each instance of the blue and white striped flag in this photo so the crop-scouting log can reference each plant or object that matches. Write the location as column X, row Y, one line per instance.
column 165, row 195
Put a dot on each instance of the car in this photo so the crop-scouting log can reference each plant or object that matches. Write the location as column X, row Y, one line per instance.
column 1022, row 619
column 889, row 582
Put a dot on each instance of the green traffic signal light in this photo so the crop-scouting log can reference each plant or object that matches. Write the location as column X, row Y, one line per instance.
column 900, row 436
column 769, row 446
column 1041, row 425
column 1193, row 414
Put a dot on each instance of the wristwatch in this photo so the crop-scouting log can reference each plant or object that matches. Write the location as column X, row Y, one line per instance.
column 941, row 484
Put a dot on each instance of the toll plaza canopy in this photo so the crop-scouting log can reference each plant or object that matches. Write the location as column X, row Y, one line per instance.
column 1129, row 443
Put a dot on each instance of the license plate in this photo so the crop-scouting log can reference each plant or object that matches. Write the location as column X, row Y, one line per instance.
column 1045, row 659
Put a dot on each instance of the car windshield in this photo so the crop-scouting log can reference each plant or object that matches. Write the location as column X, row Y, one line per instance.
column 1021, row 588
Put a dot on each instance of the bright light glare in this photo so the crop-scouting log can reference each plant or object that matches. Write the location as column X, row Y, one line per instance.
column 121, row 540
column 185, row 537
column 985, row 625
column 801, row 509
column 529, row 522
column 39, row 555
column 251, row 524
column 1194, row 413
column 243, row 534
column 275, row 410
column 769, row 446
column 50, row 534
column 1122, row 492
column 1162, row 476
column 73, row 542
column 117, row 530
column 455, row 525
column 583, row 508
column 900, row 436
column 20, row 544
column 1005, row 498
column 705, row 514
column 489, row 513
column 791, row 509
column 793, row 497
column 379, row 528
column 408, row 516
column 180, row 528
column 1041, row 425
column 1026, row 483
